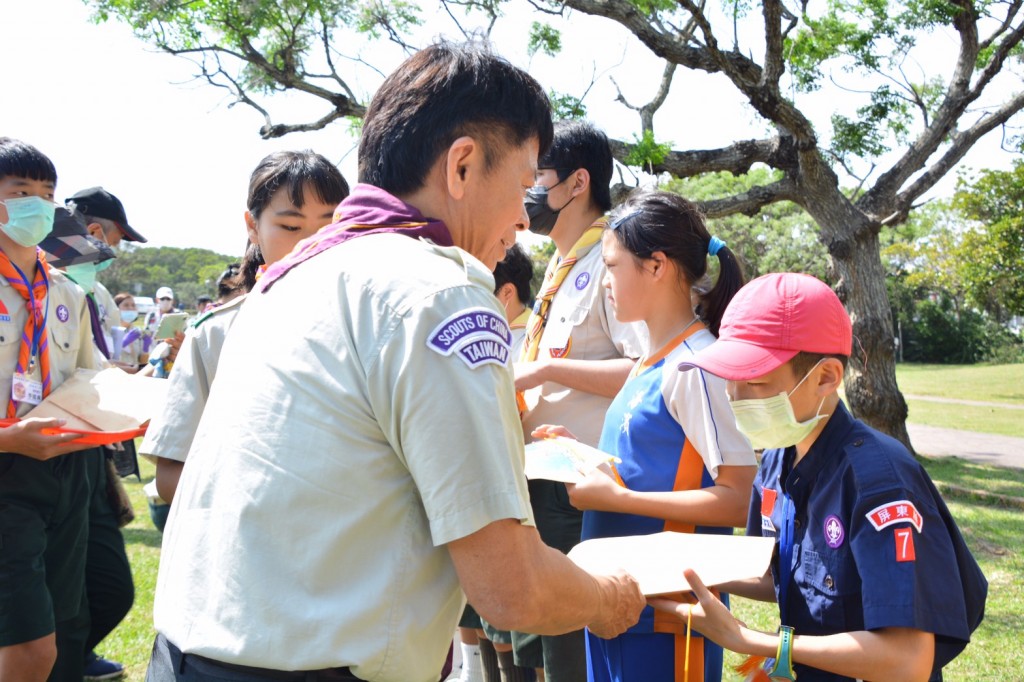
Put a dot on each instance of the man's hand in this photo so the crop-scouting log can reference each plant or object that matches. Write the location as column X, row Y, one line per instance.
column 29, row 437
column 621, row 604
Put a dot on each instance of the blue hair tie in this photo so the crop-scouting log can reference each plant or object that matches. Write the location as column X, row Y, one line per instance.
column 714, row 246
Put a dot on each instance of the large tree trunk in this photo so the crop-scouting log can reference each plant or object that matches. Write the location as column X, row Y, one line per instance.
column 859, row 280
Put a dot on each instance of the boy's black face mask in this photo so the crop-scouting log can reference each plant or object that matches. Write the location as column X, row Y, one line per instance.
column 542, row 216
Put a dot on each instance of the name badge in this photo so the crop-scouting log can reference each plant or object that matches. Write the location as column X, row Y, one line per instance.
column 26, row 390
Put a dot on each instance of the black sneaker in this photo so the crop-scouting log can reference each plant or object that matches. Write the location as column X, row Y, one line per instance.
column 98, row 668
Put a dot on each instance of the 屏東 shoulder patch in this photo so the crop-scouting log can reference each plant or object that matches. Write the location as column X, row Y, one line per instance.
column 900, row 511
column 478, row 335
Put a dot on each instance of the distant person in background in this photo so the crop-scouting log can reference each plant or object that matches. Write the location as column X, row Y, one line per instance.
column 203, row 303
column 164, row 304
column 133, row 349
column 512, row 278
column 231, row 284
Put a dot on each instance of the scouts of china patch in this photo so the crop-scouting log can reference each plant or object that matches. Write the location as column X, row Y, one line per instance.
column 768, row 497
column 477, row 335
column 901, row 511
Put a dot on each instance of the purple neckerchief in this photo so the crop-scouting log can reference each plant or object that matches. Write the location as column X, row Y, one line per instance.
column 97, row 326
column 368, row 210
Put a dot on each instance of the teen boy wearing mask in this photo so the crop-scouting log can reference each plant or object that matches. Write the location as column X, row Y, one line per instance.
column 44, row 491
column 872, row 575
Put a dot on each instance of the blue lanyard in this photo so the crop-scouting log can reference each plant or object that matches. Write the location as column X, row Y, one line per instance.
column 785, row 553
column 38, row 330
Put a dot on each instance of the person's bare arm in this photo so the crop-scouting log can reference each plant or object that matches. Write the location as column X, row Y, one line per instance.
column 723, row 504
column 891, row 654
column 168, row 473
column 600, row 377
column 516, row 582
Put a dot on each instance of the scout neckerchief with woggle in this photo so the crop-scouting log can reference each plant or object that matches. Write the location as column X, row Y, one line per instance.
column 553, row 277
column 368, row 210
column 34, row 343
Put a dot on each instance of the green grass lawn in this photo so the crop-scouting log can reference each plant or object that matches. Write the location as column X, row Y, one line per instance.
column 986, row 383
column 993, row 533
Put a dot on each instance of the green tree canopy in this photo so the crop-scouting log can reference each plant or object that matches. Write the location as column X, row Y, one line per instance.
column 141, row 270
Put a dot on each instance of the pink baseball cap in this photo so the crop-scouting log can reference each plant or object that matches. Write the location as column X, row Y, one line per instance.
column 769, row 321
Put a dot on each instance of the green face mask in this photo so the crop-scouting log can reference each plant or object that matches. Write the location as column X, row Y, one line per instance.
column 770, row 423
column 84, row 275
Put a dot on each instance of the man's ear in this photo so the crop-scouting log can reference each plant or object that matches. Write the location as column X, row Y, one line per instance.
column 830, row 376
column 463, row 163
column 505, row 293
column 580, row 181
column 96, row 230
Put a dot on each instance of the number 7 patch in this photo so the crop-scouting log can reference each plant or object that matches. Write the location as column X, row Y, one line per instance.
column 905, row 544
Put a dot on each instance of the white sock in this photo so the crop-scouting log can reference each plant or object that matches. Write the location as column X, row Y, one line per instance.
column 472, row 669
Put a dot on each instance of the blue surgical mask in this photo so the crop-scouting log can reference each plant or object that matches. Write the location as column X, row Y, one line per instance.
column 104, row 264
column 129, row 316
column 29, row 219
column 84, row 275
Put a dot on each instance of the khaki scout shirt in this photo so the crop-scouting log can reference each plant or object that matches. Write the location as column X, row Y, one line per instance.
column 68, row 327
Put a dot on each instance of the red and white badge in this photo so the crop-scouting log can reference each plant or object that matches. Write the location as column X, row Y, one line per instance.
column 901, row 511
column 768, row 497
column 904, row 544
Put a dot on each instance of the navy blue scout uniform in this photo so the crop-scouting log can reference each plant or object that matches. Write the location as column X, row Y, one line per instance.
column 864, row 541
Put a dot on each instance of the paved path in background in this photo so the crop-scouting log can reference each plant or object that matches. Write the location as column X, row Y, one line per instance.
column 984, row 448
column 958, row 401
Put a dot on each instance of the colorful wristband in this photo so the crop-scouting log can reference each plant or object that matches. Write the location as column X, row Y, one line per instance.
column 783, row 668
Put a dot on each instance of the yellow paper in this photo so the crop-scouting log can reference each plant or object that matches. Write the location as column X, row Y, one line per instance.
column 563, row 459
column 657, row 561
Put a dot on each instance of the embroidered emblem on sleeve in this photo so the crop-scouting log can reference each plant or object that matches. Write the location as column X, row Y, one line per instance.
column 834, row 531
column 904, row 544
column 768, row 497
column 477, row 335
column 902, row 511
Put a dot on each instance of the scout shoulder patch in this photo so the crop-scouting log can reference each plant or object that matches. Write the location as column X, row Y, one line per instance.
column 477, row 335
column 901, row 511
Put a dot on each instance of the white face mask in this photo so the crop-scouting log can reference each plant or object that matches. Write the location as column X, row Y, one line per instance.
column 770, row 423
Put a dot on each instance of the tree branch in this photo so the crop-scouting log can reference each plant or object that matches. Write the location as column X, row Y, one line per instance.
column 742, row 71
column 777, row 152
column 749, row 203
column 961, row 144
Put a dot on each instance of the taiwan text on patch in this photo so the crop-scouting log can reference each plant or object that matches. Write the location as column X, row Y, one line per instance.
column 472, row 322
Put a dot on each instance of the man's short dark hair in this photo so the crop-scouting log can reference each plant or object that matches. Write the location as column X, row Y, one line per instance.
column 578, row 144
column 21, row 160
column 516, row 268
column 438, row 95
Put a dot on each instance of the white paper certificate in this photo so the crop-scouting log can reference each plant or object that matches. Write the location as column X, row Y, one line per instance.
column 657, row 561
